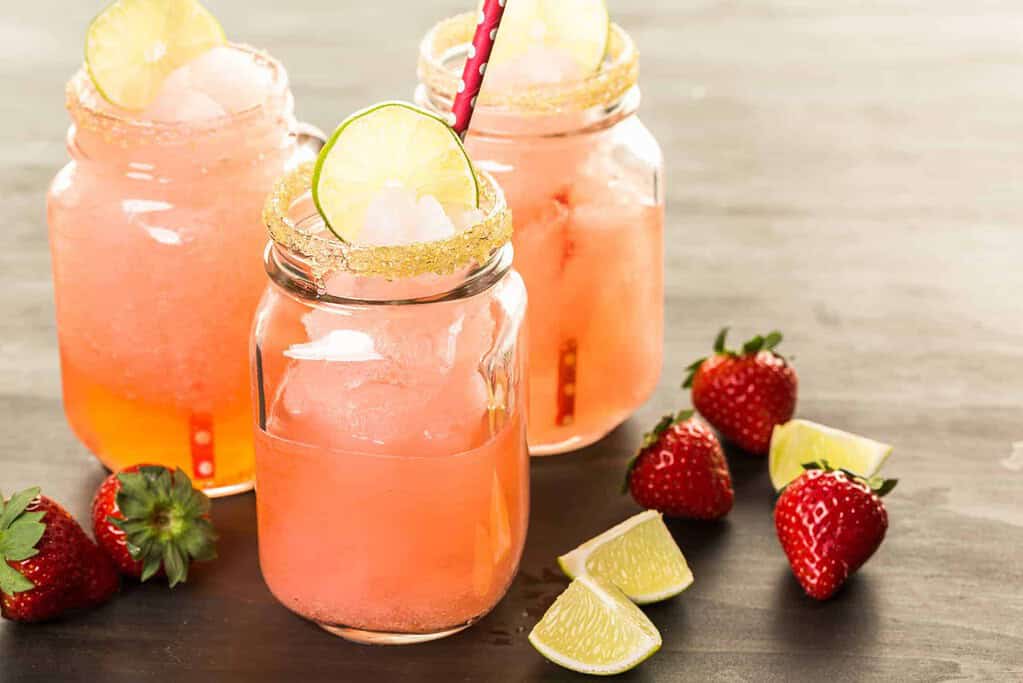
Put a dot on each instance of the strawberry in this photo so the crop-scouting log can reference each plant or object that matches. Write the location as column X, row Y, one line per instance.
column 150, row 520
column 829, row 523
column 681, row 470
column 745, row 394
column 47, row 564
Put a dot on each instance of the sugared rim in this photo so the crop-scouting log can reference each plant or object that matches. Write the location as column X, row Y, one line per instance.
column 82, row 97
column 327, row 254
column 619, row 73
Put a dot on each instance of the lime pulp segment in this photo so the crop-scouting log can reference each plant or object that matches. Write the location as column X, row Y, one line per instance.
column 800, row 441
column 593, row 628
column 639, row 556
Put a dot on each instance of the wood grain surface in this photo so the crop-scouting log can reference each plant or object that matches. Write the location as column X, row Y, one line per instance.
column 848, row 171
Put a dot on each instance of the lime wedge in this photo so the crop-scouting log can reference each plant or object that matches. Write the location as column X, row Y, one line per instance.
column 132, row 46
column 592, row 628
column 800, row 441
column 639, row 556
column 390, row 143
column 580, row 29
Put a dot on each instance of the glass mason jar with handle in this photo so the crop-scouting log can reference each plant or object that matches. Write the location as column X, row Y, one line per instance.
column 584, row 179
column 391, row 457
column 154, row 230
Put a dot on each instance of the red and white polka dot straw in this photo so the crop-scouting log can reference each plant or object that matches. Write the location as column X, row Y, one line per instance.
column 476, row 64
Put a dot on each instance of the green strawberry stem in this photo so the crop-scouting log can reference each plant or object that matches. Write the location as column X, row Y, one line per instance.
column 878, row 485
column 752, row 347
column 719, row 341
column 166, row 521
column 20, row 531
column 652, row 437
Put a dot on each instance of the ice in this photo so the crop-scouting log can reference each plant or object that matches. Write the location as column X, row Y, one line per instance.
column 390, row 210
column 432, row 222
column 354, row 407
column 466, row 218
column 337, row 346
column 394, row 380
column 396, row 216
column 540, row 65
column 188, row 106
column 231, row 77
column 180, row 101
column 222, row 81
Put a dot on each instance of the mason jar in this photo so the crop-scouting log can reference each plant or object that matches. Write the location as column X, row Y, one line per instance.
column 154, row 228
column 391, row 461
column 584, row 178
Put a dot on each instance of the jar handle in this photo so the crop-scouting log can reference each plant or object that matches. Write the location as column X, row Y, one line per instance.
column 310, row 141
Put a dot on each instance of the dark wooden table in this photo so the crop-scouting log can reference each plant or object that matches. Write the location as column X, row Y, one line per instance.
column 849, row 172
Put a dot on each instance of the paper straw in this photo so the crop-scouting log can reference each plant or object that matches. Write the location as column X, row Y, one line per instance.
column 476, row 64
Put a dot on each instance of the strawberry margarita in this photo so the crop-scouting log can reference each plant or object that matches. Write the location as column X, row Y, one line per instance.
column 391, row 459
column 154, row 226
column 583, row 177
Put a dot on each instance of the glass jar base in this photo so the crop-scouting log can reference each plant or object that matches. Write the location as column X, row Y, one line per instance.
column 228, row 490
column 211, row 489
column 357, row 635
column 569, row 445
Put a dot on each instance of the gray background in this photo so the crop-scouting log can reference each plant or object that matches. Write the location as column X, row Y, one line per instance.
column 847, row 171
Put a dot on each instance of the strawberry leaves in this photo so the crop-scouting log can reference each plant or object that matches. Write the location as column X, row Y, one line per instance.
column 165, row 521
column 16, row 505
column 651, row 438
column 879, row 485
column 768, row 342
column 20, row 531
column 882, row 487
column 719, row 341
column 761, row 343
column 654, row 435
column 691, row 373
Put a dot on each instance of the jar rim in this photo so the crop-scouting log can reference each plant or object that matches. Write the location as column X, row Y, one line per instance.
column 82, row 99
column 449, row 37
column 327, row 254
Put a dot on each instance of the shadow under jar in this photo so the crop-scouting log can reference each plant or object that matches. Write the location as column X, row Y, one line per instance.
column 391, row 460
column 583, row 177
column 154, row 227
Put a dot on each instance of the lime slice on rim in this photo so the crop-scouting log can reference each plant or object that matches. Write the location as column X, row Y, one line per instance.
column 390, row 143
column 593, row 628
column 578, row 28
column 132, row 46
column 639, row 556
column 800, row 441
